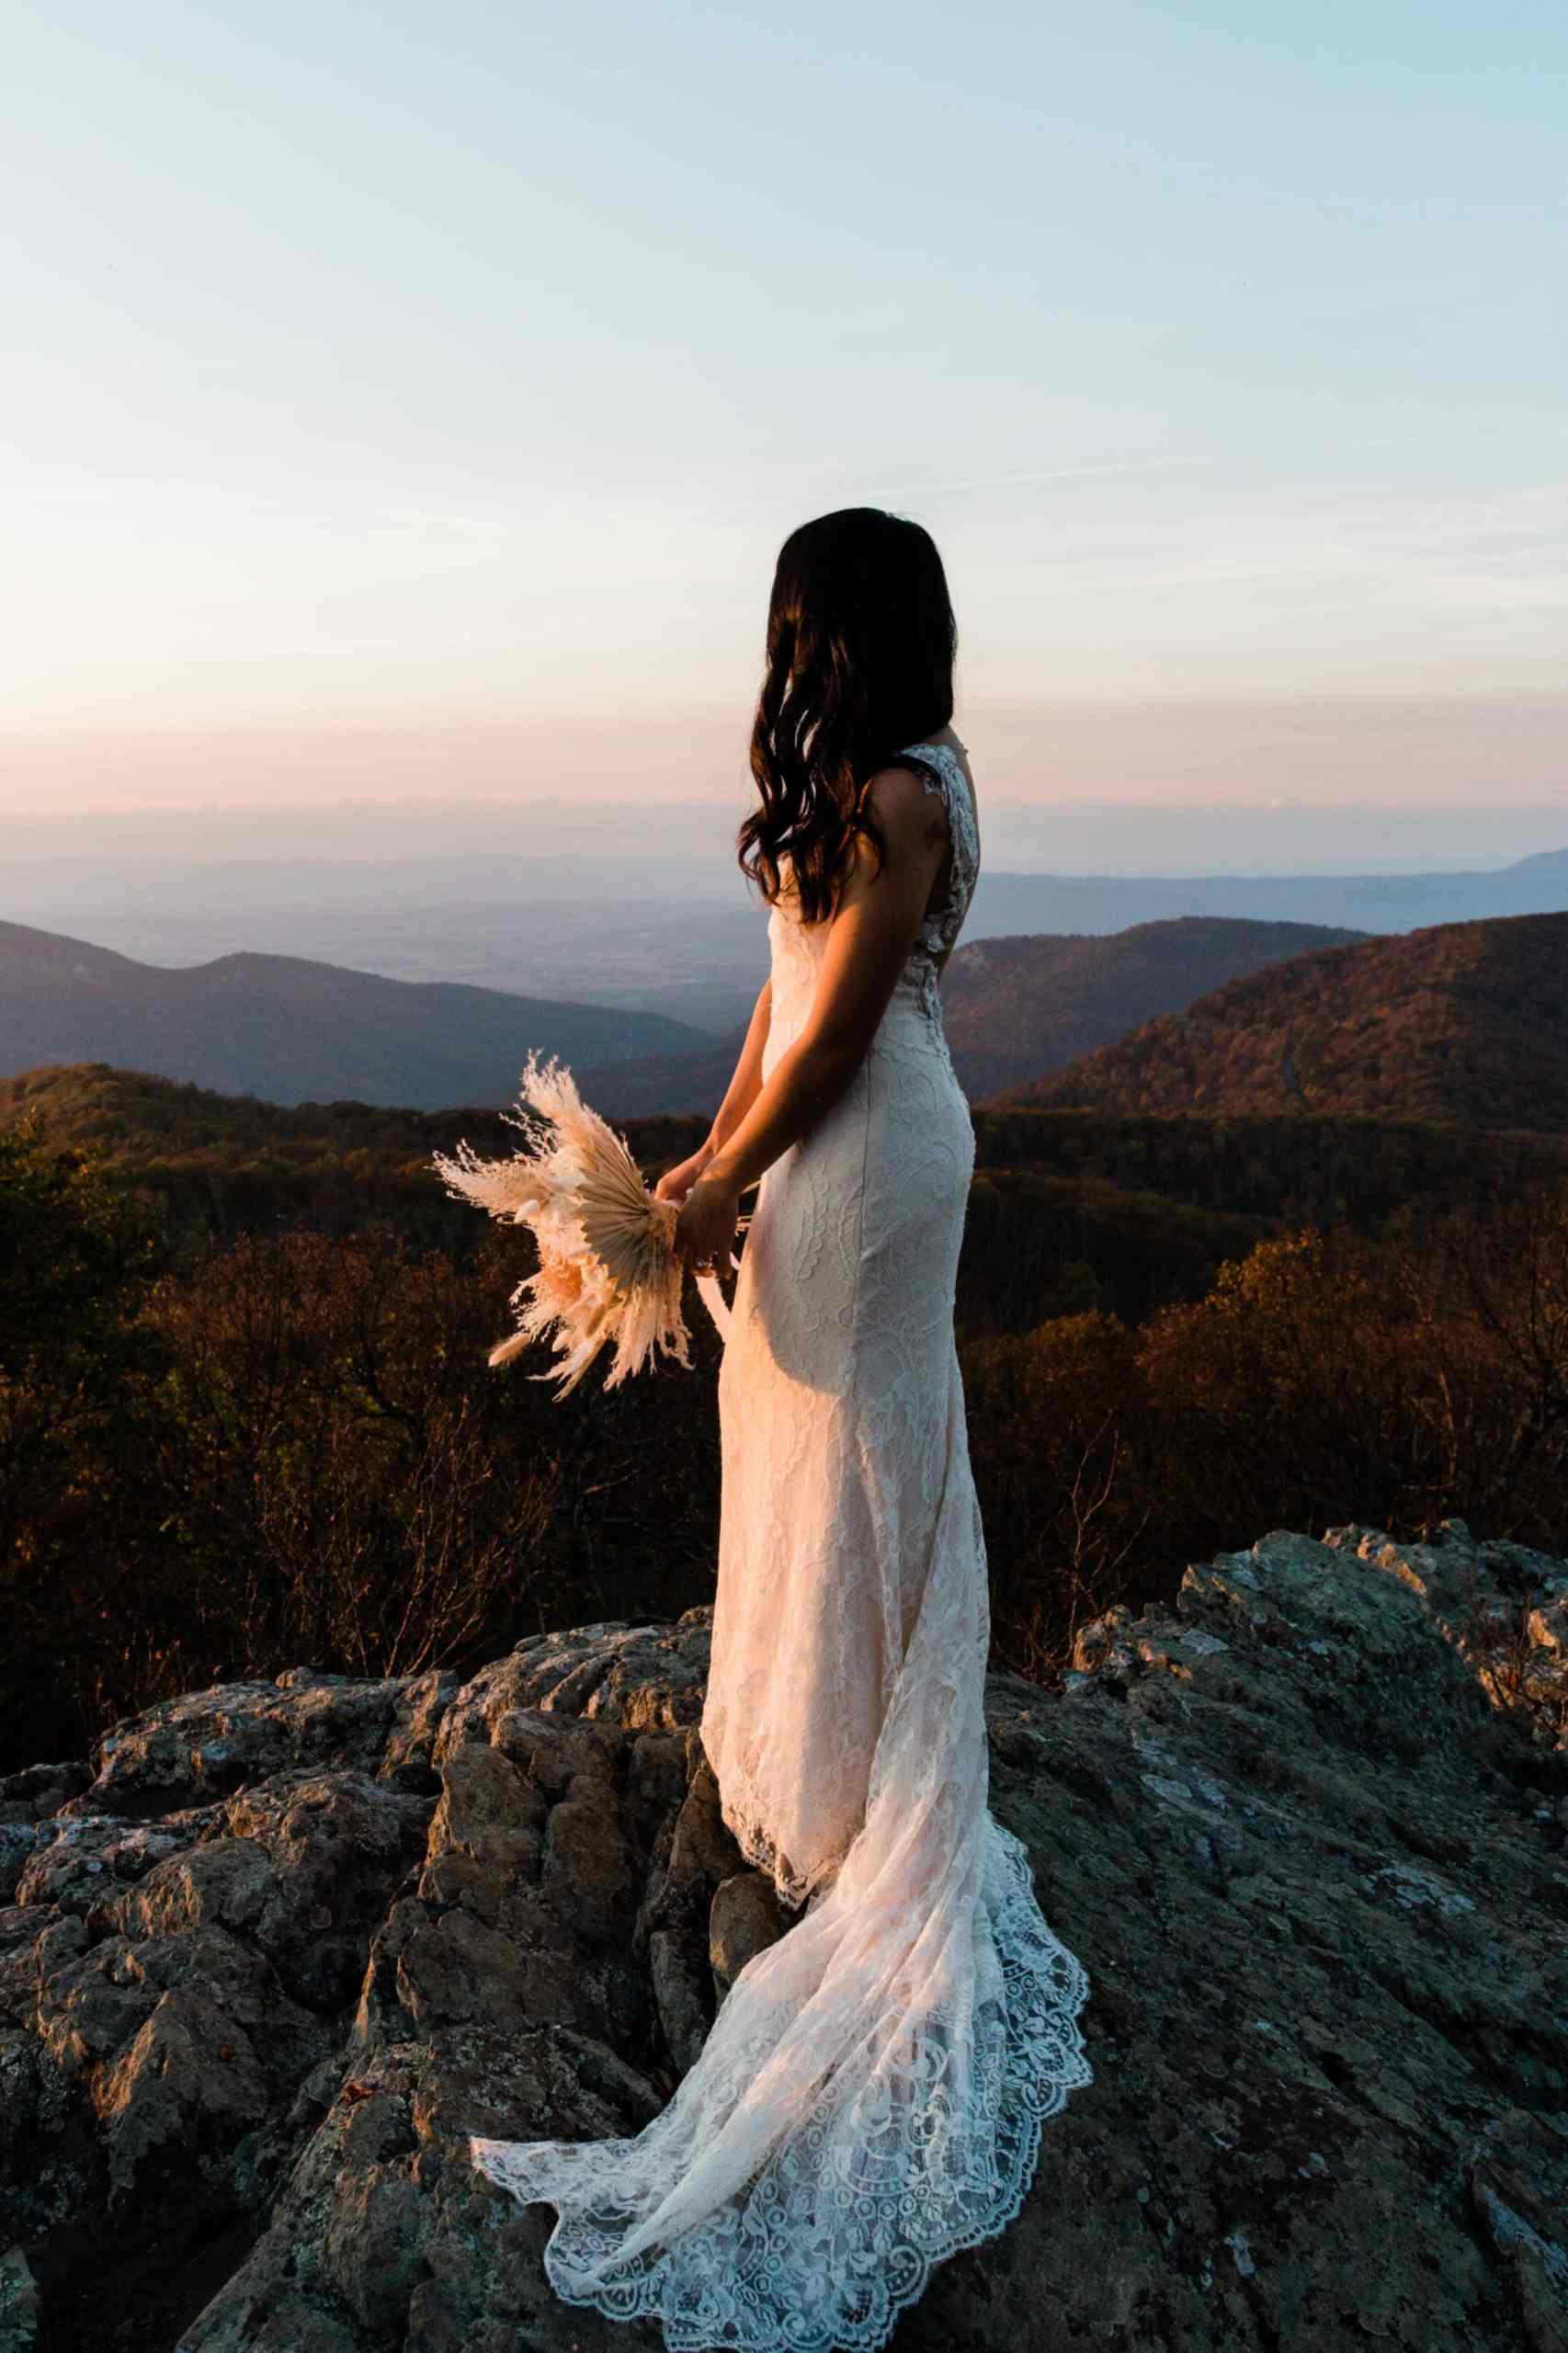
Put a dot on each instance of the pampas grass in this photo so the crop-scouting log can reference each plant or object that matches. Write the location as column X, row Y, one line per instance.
column 608, row 1276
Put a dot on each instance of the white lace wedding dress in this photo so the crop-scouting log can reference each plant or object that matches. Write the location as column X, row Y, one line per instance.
column 870, row 2096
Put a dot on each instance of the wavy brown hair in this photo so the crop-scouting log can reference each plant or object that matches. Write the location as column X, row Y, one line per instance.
column 860, row 647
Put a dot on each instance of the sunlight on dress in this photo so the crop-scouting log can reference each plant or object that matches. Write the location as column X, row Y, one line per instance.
column 870, row 2096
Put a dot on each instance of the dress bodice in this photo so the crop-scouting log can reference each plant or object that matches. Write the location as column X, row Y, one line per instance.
column 942, row 773
column 797, row 946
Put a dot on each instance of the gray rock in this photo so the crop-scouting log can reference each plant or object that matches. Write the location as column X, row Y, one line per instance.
column 744, row 1918
column 283, row 1948
column 40, row 1790
column 18, row 2303
column 1505, row 1609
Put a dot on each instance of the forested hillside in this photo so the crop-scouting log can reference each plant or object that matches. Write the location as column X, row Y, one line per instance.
column 1129, row 1210
column 1016, row 1008
column 1465, row 1022
column 246, row 1415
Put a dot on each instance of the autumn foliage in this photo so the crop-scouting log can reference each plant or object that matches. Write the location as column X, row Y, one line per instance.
column 1463, row 1021
column 227, row 1453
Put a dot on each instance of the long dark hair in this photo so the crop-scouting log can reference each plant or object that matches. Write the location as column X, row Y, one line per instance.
column 860, row 647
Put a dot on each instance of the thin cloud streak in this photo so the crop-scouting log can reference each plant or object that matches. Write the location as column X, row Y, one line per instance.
column 1063, row 473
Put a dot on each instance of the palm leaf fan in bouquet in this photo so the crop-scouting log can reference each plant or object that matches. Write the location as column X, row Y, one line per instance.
column 608, row 1276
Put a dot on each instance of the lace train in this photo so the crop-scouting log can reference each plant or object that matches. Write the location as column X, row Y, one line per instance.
column 909, row 2140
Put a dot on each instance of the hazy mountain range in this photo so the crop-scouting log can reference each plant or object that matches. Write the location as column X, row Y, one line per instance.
column 1098, row 903
column 673, row 935
column 1466, row 1021
column 295, row 1031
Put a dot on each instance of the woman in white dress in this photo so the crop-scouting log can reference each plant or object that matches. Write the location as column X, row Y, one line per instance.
column 870, row 2095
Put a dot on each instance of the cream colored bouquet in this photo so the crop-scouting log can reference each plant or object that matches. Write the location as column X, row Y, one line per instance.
column 607, row 1275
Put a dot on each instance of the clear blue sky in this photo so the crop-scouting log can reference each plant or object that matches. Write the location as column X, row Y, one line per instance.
column 464, row 363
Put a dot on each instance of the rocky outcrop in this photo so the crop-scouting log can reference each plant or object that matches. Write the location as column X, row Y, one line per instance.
column 275, row 1949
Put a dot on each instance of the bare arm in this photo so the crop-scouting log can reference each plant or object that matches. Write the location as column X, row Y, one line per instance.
column 746, row 1083
column 870, row 933
column 676, row 1183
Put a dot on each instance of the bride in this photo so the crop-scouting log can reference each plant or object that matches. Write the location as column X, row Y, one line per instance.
column 870, row 2095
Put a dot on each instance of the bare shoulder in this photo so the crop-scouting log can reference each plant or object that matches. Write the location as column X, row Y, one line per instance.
column 911, row 814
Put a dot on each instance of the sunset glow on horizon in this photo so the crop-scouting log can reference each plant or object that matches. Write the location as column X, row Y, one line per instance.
column 412, row 391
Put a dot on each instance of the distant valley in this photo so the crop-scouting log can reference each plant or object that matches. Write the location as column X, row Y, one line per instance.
column 685, row 941
column 1023, row 1009
column 290, row 1030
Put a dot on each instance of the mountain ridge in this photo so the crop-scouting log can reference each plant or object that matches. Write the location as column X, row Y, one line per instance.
column 1060, row 994
column 295, row 1028
column 1039, row 902
column 1454, row 1021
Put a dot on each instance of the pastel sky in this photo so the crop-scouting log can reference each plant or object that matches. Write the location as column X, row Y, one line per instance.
column 446, row 376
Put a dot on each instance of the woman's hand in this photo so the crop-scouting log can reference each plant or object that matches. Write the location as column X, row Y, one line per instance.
column 677, row 1183
column 704, row 1238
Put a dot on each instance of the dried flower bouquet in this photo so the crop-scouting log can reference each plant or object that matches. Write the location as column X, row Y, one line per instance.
column 607, row 1275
